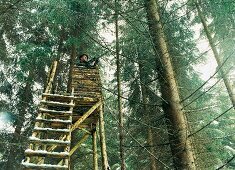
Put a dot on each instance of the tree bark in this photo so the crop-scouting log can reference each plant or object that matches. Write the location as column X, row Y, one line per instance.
column 58, row 82
column 121, row 130
column 25, row 98
column 150, row 143
column 71, row 63
column 153, row 165
column 216, row 54
column 180, row 145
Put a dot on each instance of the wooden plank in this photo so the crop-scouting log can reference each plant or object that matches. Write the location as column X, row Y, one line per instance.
column 49, row 141
column 89, row 112
column 51, row 130
column 87, row 80
column 86, row 99
column 86, row 94
column 43, row 110
column 52, row 103
column 78, row 77
column 51, row 148
column 61, row 121
column 43, row 153
column 79, row 84
column 84, row 90
column 88, row 83
column 80, row 69
column 57, row 95
column 82, row 78
column 43, row 166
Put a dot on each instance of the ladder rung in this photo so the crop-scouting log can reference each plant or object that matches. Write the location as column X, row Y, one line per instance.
column 49, row 141
column 54, row 120
column 54, row 111
column 57, row 95
column 51, row 130
column 43, row 166
column 56, row 103
column 44, row 153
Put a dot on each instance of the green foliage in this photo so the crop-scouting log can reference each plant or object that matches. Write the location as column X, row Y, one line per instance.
column 34, row 33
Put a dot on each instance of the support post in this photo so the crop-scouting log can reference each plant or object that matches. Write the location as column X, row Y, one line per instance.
column 95, row 157
column 51, row 77
column 105, row 165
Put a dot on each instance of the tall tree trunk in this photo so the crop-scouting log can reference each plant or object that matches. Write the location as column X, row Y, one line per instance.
column 216, row 54
column 25, row 98
column 150, row 143
column 71, row 63
column 180, row 145
column 146, row 111
column 121, row 130
column 57, row 81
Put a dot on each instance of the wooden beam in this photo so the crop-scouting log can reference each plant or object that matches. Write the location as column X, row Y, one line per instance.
column 67, row 161
column 95, row 156
column 88, row 113
column 105, row 165
column 51, row 77
column 78, row 144
column 83, row 129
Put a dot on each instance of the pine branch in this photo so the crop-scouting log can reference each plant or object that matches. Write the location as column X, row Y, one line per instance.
column 226, row 163
column 208, row 78
column 210, row 122
column 142, row 146
column 10, row 6
column 202, row 94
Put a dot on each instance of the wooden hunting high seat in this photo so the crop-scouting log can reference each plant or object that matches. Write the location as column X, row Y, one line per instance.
column 53, row 142
column 87, row 92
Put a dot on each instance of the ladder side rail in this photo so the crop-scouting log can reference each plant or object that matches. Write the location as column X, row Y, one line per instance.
column 67, row 149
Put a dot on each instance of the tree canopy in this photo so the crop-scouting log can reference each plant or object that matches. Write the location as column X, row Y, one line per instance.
column 167, row 68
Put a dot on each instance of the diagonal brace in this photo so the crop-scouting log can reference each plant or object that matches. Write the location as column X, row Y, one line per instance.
column 88, row 113
column 79, row 143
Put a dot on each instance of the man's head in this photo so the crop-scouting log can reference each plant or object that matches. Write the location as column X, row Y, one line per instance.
column 83, row 58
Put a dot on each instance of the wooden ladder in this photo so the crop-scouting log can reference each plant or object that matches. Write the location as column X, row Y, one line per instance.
column 51, row 138
column 60, row 115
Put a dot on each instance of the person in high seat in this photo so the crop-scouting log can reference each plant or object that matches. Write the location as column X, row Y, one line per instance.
column 85, row 62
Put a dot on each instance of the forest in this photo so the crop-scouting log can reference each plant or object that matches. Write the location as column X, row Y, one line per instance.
column 167, row 70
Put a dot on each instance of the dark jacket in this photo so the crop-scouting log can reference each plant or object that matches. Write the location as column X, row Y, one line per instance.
column 89, row 64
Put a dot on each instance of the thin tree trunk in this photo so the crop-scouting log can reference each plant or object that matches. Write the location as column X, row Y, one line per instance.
column 57, row 81
column 216, row 54
column 146, row 111
column 180, row 145
column 71, row 63
column 121, row 131
column 150, row 143
column 25, row 97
